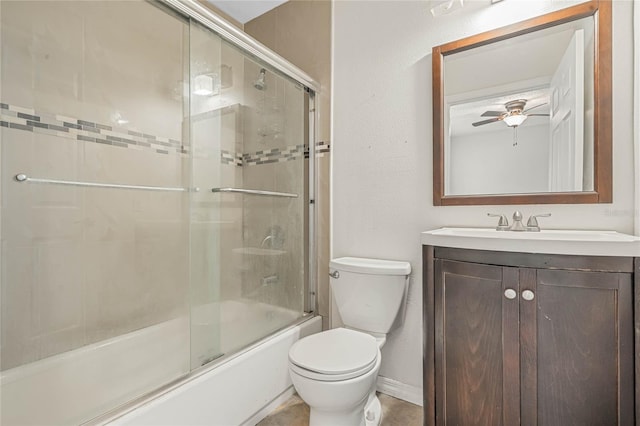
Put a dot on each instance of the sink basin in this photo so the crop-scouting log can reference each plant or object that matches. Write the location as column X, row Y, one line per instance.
column 551, row 234
column 552, row 241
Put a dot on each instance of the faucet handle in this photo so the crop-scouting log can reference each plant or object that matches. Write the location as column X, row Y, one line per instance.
column 532, row 223
column 503, row 223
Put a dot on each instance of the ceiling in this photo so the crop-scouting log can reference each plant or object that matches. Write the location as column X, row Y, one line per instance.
column 246, row 10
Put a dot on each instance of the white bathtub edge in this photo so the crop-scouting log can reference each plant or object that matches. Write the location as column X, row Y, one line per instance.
column 230, row 394
column 267, row 409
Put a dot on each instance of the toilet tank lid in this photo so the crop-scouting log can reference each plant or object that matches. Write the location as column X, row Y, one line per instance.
column 370, row 266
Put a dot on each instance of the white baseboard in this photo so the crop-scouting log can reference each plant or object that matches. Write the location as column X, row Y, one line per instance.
column 400, row 390
column 260, row 415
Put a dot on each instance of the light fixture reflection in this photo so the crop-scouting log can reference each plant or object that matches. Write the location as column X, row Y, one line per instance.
column 204, row 85
column 116, row 117
column 515, row 120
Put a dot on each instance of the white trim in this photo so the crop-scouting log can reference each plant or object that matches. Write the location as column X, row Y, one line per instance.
column 267, row 409
column 400, row 390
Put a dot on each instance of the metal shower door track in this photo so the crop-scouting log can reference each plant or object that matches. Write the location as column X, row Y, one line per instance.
column 204, row 16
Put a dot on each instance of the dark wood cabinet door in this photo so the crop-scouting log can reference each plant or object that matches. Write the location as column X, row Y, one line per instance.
column 576, row 348
column 476, row 344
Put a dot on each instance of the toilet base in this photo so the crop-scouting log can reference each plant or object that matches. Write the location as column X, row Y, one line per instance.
column 352, row 417
column 368, row 413
column 373, row 411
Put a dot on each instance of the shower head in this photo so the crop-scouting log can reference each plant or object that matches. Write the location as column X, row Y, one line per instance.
column 260, row 83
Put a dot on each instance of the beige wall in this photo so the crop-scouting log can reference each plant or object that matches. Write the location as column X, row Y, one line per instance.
column 300, row 31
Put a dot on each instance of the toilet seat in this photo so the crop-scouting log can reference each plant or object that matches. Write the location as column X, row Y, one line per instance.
column 334, row 355
column 330, row 377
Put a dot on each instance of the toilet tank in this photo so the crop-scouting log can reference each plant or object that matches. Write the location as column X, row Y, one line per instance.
column 369, row 293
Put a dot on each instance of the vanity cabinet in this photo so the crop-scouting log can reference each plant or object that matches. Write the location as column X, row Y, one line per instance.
column 530, row 339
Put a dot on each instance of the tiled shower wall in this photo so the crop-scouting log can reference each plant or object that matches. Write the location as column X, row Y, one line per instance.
column 300, row 31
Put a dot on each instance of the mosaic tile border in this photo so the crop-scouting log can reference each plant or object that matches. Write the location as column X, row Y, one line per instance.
column 322, row 148
column 26, row 119
column 15, row 117
column 275, row 155
column 228, row 157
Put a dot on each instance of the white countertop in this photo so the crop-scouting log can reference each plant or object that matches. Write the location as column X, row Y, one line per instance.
column 552, row 241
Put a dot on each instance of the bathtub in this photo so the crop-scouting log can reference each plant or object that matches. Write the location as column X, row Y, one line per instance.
column 240, row 391
column 221, row 328
column 76, row 386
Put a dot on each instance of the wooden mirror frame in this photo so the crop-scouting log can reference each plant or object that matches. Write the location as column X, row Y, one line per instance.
column 602, row 119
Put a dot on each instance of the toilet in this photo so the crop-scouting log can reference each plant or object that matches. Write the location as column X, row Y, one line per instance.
column 335, row 371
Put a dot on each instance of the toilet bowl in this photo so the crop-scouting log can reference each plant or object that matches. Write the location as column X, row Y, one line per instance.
column 338, row 382
column 335, row 371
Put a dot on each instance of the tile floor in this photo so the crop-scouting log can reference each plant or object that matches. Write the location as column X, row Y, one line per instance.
column 395, row 412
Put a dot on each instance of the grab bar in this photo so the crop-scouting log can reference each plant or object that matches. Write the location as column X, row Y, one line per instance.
column 21, row 177
column 255, row 192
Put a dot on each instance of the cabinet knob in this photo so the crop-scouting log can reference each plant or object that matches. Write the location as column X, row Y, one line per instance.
column 528, row 295
column 510, row 293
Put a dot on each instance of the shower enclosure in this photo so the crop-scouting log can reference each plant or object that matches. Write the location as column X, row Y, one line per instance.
column 156, row 185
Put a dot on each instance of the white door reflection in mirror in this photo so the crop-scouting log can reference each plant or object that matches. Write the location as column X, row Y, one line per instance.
column 567, row 119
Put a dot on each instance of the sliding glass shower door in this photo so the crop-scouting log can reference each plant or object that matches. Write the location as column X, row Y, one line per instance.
column 154, row 204
column 95, row 206
column 248, row 126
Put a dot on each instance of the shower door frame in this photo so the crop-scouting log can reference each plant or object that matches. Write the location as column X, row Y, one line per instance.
column 192, row 9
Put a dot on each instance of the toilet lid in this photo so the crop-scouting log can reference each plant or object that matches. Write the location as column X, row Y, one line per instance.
column 336, row 351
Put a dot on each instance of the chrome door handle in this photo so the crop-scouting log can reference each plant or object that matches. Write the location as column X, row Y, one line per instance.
column 528, row 295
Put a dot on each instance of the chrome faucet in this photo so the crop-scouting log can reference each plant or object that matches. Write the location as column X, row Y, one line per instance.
column 517, row 226
column 269, row 239
column 532, row 223
column 503, row 223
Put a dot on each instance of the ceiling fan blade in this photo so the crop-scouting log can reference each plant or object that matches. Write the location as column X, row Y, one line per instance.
column 537, row 115
column 483, row 122
column 492, row 113
column 539, row 105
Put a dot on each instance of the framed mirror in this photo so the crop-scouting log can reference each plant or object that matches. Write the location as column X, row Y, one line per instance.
column 522, row 114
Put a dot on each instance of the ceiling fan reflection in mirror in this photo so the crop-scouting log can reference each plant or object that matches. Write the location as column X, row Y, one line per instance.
column 513, row 116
